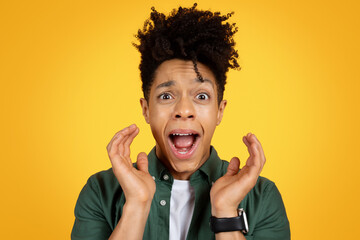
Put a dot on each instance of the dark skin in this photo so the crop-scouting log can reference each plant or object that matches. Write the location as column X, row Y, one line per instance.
column 185, row 104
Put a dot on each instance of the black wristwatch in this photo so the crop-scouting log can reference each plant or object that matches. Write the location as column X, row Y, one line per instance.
column 238, row 223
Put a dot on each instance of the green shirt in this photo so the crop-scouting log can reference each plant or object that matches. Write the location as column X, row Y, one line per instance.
column 99, row 206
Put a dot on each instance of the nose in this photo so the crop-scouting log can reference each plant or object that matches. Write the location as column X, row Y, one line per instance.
column 184, row 109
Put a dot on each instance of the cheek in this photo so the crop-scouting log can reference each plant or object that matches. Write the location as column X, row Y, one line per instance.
column 208, row 117
column 158, row 116
column 158, row 120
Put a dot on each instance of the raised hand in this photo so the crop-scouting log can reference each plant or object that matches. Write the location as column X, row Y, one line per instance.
column 229, row 190
column 137, row 184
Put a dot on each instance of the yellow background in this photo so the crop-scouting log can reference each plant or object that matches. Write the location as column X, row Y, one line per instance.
column 70, row 80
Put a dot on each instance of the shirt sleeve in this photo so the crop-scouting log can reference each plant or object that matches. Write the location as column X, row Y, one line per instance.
column 90, row 222
column 273, row 223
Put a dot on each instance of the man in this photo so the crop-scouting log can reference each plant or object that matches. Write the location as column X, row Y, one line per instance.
column 174, row 191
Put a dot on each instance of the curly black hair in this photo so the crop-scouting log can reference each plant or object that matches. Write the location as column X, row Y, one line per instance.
column 187, row 34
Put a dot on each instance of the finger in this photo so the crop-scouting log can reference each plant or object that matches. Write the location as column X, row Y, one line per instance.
column 126, row 134
column 233, row 167
column 254, row 155
column 260, row 150
column 118, row 163
column 117, row 137
column 246, row 141
column 142, row 162
column 258, row 144
column 120, row 138
column 115, row 151
column 128, row 142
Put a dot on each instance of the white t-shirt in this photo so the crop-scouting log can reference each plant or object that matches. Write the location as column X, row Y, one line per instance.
column 182, row 202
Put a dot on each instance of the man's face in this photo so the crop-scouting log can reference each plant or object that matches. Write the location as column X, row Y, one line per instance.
column 183, row 113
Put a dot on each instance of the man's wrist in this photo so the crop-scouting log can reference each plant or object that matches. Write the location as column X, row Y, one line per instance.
column 137, row 209
column 224, row 213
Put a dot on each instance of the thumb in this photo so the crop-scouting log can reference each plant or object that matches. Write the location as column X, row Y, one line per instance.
column 142, row 162
column 233, row 167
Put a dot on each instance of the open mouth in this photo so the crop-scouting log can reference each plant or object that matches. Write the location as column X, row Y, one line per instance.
column 183, row 143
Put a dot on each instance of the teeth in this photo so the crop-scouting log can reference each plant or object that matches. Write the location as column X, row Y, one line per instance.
column 182, row 134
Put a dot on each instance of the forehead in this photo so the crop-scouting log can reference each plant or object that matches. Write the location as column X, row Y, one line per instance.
column 176, row 71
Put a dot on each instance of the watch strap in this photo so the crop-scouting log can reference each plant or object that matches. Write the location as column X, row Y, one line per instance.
column 227, row 224
column 238, row 223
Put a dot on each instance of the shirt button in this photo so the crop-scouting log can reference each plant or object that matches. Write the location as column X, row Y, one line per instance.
column 166, row 177
column 162, row 202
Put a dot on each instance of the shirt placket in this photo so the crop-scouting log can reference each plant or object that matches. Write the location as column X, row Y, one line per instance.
column 159, row 216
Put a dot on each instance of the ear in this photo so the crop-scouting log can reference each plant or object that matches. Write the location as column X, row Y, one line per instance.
column 145, row 109
column 221, row 111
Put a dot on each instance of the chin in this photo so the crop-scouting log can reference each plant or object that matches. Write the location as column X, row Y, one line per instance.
column 183, row 170
column 182, row 165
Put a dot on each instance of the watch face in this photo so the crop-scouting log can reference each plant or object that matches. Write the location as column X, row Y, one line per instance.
column 245, row 223
column 243, row 215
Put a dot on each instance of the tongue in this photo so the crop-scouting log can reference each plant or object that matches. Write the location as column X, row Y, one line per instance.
column 183, row 141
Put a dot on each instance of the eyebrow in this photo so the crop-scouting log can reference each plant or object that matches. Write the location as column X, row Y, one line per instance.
column 204, row 80
column 172, row 83
column 165, row 84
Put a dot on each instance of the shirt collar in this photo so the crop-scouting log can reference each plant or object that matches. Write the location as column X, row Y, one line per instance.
column 156, row 167
column 211, row 169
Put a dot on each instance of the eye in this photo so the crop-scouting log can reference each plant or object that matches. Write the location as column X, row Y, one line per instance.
column 202, row 96
column 165, row 96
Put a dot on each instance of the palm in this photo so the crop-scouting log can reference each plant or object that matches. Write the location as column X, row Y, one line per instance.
column 229, row 190
column 137, row 184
